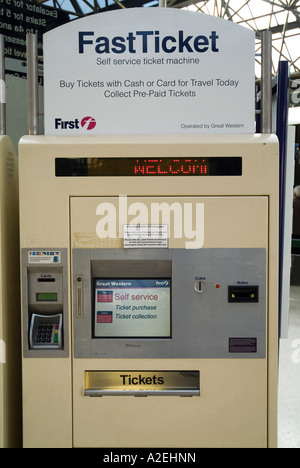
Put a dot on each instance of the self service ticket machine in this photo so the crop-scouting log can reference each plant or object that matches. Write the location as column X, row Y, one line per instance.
column 10, row 346
column 149, row 290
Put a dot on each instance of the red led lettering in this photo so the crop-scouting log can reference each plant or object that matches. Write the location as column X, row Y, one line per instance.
column 151, row 169
column 177, row 166
column 139, row 169
column 160, row 171
column 171, row 168
column 186, row 170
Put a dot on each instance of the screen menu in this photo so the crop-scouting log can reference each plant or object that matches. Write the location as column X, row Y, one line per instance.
column 137, row 308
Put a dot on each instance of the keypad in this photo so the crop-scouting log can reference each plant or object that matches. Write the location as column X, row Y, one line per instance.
column 46, row 334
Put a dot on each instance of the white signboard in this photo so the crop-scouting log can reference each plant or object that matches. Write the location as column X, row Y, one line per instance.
column 149, row 70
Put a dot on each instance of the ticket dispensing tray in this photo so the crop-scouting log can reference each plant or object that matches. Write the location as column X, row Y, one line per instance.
column 142, row 383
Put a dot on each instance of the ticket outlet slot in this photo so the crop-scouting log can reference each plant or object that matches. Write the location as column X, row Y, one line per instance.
column 142, row 383
column 45, row 303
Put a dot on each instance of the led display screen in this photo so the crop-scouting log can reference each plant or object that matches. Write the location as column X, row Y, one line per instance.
column 148, row 167
column 46, row 297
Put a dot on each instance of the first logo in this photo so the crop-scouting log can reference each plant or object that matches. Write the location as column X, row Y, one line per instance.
column 88, row 123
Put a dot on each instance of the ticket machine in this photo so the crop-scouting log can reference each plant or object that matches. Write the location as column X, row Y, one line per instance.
column 149, row 290
column 10, row 347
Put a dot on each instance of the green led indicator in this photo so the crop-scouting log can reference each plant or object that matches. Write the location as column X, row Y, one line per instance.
column 46, row 297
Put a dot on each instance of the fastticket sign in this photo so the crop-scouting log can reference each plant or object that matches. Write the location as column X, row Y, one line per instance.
column 149, row 70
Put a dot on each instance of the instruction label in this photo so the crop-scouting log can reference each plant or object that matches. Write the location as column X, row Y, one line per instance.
column 141, row 236
column 44, row 257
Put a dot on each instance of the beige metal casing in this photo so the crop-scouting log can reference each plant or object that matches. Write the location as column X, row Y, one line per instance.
column 10, row 346
column 237, row 406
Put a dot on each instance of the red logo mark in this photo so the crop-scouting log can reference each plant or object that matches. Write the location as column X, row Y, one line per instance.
column 88, row 122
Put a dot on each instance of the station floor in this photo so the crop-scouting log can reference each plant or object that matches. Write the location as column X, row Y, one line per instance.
column 289, row 378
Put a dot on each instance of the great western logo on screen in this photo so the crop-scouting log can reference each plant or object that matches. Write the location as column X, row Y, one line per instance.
column 87, row 123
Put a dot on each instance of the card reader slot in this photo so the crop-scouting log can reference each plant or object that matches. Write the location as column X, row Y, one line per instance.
column 46, row 280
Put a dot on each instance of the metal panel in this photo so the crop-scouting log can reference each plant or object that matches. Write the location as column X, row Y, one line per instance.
column 203, row 322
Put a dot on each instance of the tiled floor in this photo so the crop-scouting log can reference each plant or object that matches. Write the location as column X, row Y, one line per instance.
column 289, row 379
